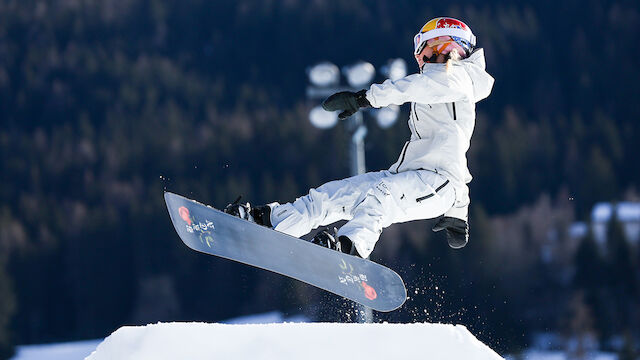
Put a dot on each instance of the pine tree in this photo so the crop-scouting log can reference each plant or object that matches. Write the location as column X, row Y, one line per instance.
column 590, row 278
column 580, row 326
column 621, row 274
column 7, row 307
column 628, row 351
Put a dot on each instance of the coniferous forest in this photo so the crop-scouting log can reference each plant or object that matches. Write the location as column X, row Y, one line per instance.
column 106, row 104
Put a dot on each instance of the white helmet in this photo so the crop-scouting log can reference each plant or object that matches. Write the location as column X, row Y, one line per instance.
column 459, row 32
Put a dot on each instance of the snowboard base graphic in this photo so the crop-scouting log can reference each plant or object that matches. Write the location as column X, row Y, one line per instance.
column 207, row 230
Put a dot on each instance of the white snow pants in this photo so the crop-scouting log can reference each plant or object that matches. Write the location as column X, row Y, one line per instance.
column 370, row 202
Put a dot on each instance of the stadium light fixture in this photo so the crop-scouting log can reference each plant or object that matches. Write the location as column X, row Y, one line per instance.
column 360, row 74
column 324, row 74
column 395, row 69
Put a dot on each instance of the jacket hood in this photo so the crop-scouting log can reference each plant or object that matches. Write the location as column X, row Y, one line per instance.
column 475, row 65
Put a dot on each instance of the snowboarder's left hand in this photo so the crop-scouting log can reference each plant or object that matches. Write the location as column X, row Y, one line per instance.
column 457, row 231
column 347, row 101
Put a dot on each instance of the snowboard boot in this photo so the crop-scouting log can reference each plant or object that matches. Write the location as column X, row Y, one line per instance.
column 346, row 246
column 260, row 215
column 326, row 239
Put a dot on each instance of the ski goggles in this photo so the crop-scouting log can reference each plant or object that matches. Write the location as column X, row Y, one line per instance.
column 462, row 37
column 442, row 45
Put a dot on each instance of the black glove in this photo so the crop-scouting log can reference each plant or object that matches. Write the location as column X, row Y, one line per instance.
column 347, row 101
column 457, row 231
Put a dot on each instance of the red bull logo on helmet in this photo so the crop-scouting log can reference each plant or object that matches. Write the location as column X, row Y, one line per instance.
column 444, row 23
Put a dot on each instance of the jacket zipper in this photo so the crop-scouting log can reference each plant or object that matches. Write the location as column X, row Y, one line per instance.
column 454, row 111
column 415, row 118
column 404, row 152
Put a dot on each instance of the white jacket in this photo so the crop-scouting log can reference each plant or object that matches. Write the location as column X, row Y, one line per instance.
column 442, row 119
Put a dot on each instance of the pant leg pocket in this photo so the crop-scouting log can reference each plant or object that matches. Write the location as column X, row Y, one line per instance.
column 432, row 183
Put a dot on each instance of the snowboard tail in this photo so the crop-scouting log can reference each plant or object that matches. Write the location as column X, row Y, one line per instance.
column 213, row 232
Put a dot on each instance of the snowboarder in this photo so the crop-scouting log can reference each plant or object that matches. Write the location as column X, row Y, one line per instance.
column 430, row 177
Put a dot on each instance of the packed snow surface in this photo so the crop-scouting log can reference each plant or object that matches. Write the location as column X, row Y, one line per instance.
column 62, row 351
column 292, row 341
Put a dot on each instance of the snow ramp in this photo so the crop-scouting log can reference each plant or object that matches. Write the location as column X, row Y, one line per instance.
column 320, row 341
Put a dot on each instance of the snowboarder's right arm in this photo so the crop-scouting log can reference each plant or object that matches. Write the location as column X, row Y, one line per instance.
column 432, row 87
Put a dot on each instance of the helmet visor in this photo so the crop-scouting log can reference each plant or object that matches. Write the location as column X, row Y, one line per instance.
column 440, row 45
column 465, row 37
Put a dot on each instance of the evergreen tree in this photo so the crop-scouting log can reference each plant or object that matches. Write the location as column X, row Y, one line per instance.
column 580, row 326
column 621, row 276
column 7, row 306
column 590, row 277
column 589, row 265
column 629, row 349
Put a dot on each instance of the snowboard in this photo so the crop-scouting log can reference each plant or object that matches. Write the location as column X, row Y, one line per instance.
column 213, row 232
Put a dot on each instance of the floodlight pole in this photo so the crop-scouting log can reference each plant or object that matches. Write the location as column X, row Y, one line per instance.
column 358, row 167
column 358, row 133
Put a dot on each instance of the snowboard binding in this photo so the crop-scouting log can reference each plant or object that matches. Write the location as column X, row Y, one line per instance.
column 330, row 240
column 260, row 215
column 326, row 239
column 243, row 211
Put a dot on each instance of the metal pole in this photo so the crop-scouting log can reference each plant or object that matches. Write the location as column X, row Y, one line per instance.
column 358, row 133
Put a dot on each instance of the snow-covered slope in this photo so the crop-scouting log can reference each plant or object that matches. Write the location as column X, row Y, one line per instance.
column 62, row 351
column 292, row 341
